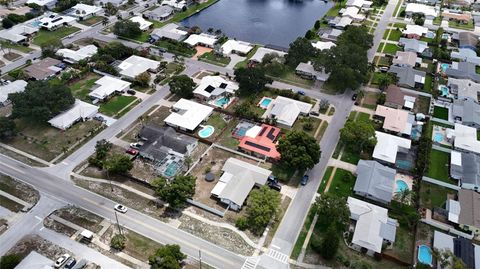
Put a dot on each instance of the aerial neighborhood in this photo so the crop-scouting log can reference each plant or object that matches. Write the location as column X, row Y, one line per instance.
column 239, row 134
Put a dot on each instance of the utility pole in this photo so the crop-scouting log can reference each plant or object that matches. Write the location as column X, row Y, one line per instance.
column 118, row 224
column 200, row 257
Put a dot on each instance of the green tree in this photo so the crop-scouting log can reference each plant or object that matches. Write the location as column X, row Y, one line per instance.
column 143, row 79
column 167, row 257
column 182, row 86
column 110, row 9
column 317, row 25
column 7, row 128
column 300, row 51
column 118, row 242
column 446, row 259
column 127, row 28
column 41, row 101
column 358, row 135
column 10, row 261
column 330, row 243
column 118, row 164
column 7, row 23
column 49, row 49
column 347, row 63
column 177, row 191
column 309, row 34
column 102, row 147
column 335, row 208
column 384, row 81
column 262, row 206
column 251, row 80
column 298, row 150
column 65, row 4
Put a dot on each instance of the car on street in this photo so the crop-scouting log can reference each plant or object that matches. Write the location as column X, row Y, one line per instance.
column 131, row 151
column 120, row 208
column 383, row 69
column 304, row 180
column 354, row 97
column 301, row 92
column 70, row 263
column 61, row 261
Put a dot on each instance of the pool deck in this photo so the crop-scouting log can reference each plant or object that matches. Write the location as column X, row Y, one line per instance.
column 438, row 130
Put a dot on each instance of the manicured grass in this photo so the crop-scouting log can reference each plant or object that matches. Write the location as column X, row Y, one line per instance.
column 390, row 48
column 342, row 183
column 437, row 20
column 353, row 115
column 249, row 55
column 333, row 12
column 439, row 166
column 285, row 174
column 214, row 58
column 301, row 122
column 176, row 48
column 468, row 26
column 91, row 21
column 290, row 77
column 82, row 88
column 432, row 195
column 217, row 122
column 394, row 35
column 440, row 112
column 297, row 248
column 399, row 25
column 173, row 68
column 20, row 48
column 185, row 14
column 45, row 37
column 326, row 176
column 362, row 116
column 427, row 87
column 350, row 156
column 115, row 104
column 376, row 76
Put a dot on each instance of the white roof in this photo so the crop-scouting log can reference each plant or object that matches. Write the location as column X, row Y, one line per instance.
column 261, row 52
column 477, row 256
column 80, row 10
column 214, row 86
column 11, row 87
column 79, row 110
column 135, row 65
column 236, row 46
column 388, row 145
column 466, row 138
column 368, row 228
column 77, row 55
column 344, row 22
column 34, row 260
column 442, row 241
column 359, row 3
column 453, row 210
column 86, row 233
column 415, row 29
column 321, row 45
column 107, row 86
column 455, row 158
column 42, row 2
column 175, row 3
column 144, row 24
column 53, row 20
column 352, row 12
column 254, row 131
column 205, row 39
column 188, row 114
column 420, row 8
column 18, row 32
column 287, row 110
column 466, row 88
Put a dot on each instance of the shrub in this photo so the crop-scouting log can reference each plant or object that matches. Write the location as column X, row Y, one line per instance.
column 118, row 242
column 242, row 223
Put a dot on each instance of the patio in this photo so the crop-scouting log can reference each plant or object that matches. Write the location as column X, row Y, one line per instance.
column 442, row 135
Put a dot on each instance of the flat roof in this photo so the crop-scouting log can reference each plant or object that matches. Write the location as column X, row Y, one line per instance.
column 34, row 260
column 232, row 46
column 466, row 138
column 188, row 114
column 388, row 145
column 205, row 39
column 135, row 65
column 77, row 55
column 107, row 86
column 11, row 87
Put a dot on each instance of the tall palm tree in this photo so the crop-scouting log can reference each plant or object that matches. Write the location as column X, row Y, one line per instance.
column 105, row 21
column 404, row 196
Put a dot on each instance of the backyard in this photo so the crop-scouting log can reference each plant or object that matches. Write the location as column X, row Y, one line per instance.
column 45, row 37
column 432, row 195
column 81, row 88
column 342, row 183
column 440, row 112
column 438, row 167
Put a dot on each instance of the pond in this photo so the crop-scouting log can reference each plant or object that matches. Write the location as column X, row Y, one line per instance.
column 275, row 22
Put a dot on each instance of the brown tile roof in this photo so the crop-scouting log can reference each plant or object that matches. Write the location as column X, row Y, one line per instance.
column 469, row 208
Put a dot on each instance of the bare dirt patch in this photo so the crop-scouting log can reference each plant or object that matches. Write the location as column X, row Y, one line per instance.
column 58, row 227
column 80, row 217
column 31, row 243
column 11, row 56
column 19, row 189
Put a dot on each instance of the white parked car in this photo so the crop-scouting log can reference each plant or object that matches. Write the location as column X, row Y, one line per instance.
column 62, row 260
column 135, row 145
column 120, row 208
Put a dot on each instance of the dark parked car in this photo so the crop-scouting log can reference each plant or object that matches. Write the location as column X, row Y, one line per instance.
column 314, row 113
column 354, row 97
column 304, row 180
column 131, row 92
column 274, row 186
column 70, row 263
column 301, row 92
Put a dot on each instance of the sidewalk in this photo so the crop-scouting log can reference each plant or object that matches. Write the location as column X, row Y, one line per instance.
column 343, row 165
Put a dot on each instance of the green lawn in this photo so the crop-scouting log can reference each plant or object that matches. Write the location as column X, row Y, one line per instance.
column 399, row 25
column 214, row 58
column 326, row 176
column 437, row 20
column 350, row 156
column 82, row 88
column 333, row 12
column 249, row 55
column 290, row 77
column 468, row 26
column 173, row 68
column 432, row 195
column 20, row 48
column 427, row 87
column 301, row 122
column 297, row 248
column 362, row 116
column 187, row 13
column 217, row 122
column 45, row 37
column 115, row 104
column 439, row 166
column 285, row 174
column 390, row 48
column 342, row 183
column 394, row 35
column 440, row 112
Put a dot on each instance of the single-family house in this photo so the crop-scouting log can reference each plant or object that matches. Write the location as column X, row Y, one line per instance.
column 465, row 167
column 464, row 88
column 83, row 11
column 388, row 146
column 359, row 3
column 306, row 70
column 414, row 31
column 135, row 65
column 10, row 87
column 352, row 13
column 466, row 55
column 261, row 141
column 204, row 40
column 467, row 112
column 178, row 5
column 161, row 13
column 49, row 4
column 108, row 86
column 429, row 12
column 18, row 33
column 212, row 87
column 466, row 139
column 53, row 21
column 142, row 23
column 331, row 35
column 116, row 3
column 426, row 2
column 461, row 247
column 467, row 40
column 234, row 46
column 261, row 52
column 286, row 110
column 80, row 111
column 74, row 56
column 396, row 97
column 397, row 121
column 469, row 218
column 160, row 143
column 373, row 227
column 375, row 181
column 463, row 70
column 44, row 69
column 408, row 77
column 237, row 180
column 187, row 115
column 340, row 22
column 170, row 31
column 413, row 45
column 323, row 45
column 405, row 59
column 457, row 15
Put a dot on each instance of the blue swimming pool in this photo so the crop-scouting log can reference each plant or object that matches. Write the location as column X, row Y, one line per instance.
column 430, row 34
column 401, row 185
column 445, row 36
column 404, row 164
column 265, row 102
column 425, row 255
column 438, row 137
column 171, row 170
column 444, row 67
column 222, row 101
column 444, row 90
column 36, row 24
column 206, row 131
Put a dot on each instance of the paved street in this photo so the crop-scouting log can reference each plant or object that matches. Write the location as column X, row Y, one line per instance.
column 381, row 27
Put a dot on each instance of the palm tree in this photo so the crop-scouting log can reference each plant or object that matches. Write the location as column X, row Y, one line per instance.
column 210, row 30
column 404, row 196
column 105, row 21
column 384, row 81
column 188, row 161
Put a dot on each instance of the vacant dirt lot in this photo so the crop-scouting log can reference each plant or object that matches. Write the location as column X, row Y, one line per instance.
column 35, row 243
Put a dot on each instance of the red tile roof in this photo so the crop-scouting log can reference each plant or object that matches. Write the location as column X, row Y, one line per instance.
column 263, row 143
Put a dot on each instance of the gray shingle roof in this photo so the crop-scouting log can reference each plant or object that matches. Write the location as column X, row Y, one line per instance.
column 375, row 179
column 469, row 172
column 406, row 75
column 463, row 70
column 468, row 110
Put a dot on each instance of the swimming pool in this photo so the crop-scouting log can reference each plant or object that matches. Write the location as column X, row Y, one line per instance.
column 404, row 164
column 171, row 169
column 444, row 90
column 425, row 255
column 222, row 101
column 206, row 131
column 265, row 102
column 438, row 137
column 36, row 24
column 445, row 36
column 430, row 34
column 401, row 185
column 444, row 67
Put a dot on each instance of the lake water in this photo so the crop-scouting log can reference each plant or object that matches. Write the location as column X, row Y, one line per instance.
column 276, row 22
